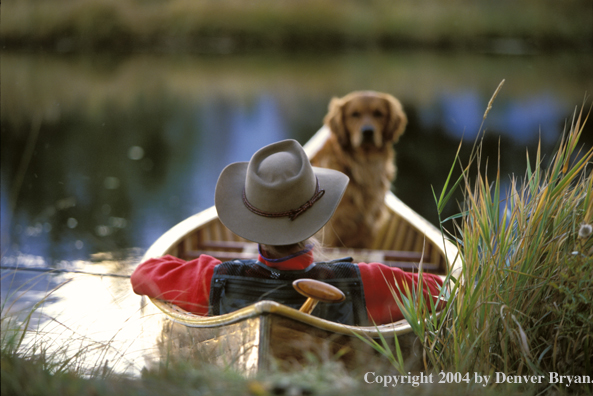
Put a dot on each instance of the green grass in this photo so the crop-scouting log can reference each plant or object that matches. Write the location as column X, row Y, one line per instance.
column 228, row 25
column 25, row 338
column 31, row 377
column 523, row 303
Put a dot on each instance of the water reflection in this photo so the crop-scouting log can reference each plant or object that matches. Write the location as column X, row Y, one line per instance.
column 522, row 121
column 124, row 148
column 97, row 321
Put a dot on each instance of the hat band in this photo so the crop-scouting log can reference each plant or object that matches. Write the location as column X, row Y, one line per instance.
column 293, row 213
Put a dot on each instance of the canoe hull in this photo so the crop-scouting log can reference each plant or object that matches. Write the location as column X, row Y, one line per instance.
column 274, row 342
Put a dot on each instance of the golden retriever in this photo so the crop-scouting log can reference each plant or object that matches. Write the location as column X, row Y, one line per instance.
column 364, row 126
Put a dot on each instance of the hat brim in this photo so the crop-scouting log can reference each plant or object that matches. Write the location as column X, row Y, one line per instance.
column 277, row 231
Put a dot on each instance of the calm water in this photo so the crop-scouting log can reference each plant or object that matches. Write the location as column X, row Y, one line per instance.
column 102, row 154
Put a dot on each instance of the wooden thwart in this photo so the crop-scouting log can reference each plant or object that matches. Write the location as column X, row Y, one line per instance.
column 231, row 250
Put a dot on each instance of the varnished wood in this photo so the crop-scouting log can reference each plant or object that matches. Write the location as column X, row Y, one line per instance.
column 309, row 305
column 271, row 340
column 405, row 260
column 318, row 290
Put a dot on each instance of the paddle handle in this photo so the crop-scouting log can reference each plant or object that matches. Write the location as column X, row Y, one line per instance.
column 316, row 291
column 309, row 305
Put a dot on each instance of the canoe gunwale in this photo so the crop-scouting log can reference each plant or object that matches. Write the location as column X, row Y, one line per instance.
column 272, row 307
column 176, row 234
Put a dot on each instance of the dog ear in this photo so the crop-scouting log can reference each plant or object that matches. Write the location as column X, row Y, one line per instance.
column 397, row 121
column 334, row 119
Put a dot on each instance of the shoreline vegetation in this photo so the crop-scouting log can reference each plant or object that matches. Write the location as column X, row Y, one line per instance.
column 525, row 305
column 229, row 26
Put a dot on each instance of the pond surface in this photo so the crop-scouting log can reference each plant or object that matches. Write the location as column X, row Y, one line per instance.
column 96, row 323
column 101, row 154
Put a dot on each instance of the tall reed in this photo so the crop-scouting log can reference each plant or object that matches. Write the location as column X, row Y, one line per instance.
column 524, row 301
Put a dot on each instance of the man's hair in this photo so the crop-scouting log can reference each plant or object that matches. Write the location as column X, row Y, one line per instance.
column 279, row 251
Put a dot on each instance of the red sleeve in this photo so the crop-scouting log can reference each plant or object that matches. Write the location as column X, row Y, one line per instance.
column 379, row 280
column 184, row 283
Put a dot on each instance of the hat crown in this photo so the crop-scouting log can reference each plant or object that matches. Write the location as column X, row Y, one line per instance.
column 279, row 178
column 278, row 167
column 277, row 198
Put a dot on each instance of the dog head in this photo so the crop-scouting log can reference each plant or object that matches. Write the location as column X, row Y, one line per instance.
column 366, row 119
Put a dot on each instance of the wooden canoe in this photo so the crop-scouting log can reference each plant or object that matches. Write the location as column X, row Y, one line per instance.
column 267, row 333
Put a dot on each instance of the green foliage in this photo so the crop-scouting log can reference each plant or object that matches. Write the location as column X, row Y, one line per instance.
column 524, row 300
column 223, row 26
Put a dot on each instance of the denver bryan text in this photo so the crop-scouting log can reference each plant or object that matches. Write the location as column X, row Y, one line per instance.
column 553, row 378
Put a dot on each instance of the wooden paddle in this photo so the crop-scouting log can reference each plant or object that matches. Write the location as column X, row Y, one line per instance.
column 316, row 291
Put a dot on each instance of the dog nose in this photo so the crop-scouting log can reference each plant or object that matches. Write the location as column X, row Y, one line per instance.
column 368, row 132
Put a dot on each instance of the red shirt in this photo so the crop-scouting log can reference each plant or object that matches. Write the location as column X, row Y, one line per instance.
column 187, row 283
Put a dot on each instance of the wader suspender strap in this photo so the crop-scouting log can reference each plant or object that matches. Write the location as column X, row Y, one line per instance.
column 239, row 283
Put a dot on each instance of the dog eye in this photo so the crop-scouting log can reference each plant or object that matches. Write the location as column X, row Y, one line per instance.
column 378, row 114
column 355, row 114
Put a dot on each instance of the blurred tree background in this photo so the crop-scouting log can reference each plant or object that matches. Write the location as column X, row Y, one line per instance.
column 224, row 26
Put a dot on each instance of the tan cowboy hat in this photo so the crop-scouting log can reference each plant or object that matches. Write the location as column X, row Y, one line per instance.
column 278, row 198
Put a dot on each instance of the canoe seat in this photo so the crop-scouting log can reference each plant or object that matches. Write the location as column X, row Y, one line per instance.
column 230, row 250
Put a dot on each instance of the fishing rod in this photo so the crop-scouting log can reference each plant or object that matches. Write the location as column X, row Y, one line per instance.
column 59, row 271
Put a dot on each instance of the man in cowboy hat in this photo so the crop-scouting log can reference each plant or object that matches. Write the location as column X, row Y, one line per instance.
column 280, row 201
